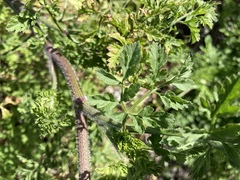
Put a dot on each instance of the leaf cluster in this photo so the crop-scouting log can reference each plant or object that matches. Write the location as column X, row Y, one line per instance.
column 141, row 52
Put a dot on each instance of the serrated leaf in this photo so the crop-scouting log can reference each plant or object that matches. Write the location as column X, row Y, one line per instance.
column 129, row 59
column 106, row 103
column 138, row 124
column 165, row 101
column 17, row 24
column 118, row 37
column 113, row 54
column 164, row 120
column 147, row 111
column 229, row 93
column 106, row 77
column 170, row 100
column 201, row 165
column 195, row 32
column 157, row 57
column 232, row 154
column 226, row 133
column 183, row 84
column 130, row 92
column 156, row 145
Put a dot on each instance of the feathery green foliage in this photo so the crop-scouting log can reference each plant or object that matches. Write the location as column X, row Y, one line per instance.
column 156, row 65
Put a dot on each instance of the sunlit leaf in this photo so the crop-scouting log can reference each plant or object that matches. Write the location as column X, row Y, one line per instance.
column 129, row 59
column 106, row 77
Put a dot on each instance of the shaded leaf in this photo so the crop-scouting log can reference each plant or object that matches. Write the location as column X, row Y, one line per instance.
column 232, row 154
column 226, row 133
column 130, row 92
column 201, row 165
column 138, row 124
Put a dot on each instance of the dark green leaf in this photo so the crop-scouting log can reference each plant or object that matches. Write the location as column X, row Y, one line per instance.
column 226, row 133
column 201, row 165
column 138, row 124
column 130, row 92
column 233, row 154
column 157, row 146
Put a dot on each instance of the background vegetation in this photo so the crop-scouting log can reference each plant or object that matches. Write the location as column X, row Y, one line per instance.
column 183, row 56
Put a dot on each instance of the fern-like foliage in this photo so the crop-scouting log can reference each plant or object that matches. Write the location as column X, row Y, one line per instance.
column 51, row 115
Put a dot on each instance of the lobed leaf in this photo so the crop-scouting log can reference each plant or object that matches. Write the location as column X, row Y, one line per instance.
column 157, row 57
column 226, row 133
column 106, row 77
column 233, row 154
column 227, row 95
column 130, row 92
column 129, row 59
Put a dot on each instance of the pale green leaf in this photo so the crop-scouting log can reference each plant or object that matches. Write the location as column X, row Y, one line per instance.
column 113, row 54
column 106, row 77
column 157, row 57
column 129, row 59
column 18, row 24
column 118, row 37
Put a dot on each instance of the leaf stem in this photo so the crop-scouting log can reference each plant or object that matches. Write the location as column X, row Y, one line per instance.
column 136, row 103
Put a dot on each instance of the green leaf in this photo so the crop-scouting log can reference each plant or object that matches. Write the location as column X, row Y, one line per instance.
column 106, row 77
column 163, row 119
column 130, row 92
column 184, row 85
column 22, row 22
column 129, row 59
column 50, row 112
column 138, row 124
column 155, row 142
column 195, row 31
column 229, row 93
column 18, row 24
column 201, row 165
column 107, row 103
column 118, row 37
column 157, row 57
column 226, row 133
column 205, row 103
column 232, row 154
column 113, row 54
column 170, row 100
column 146, row 111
